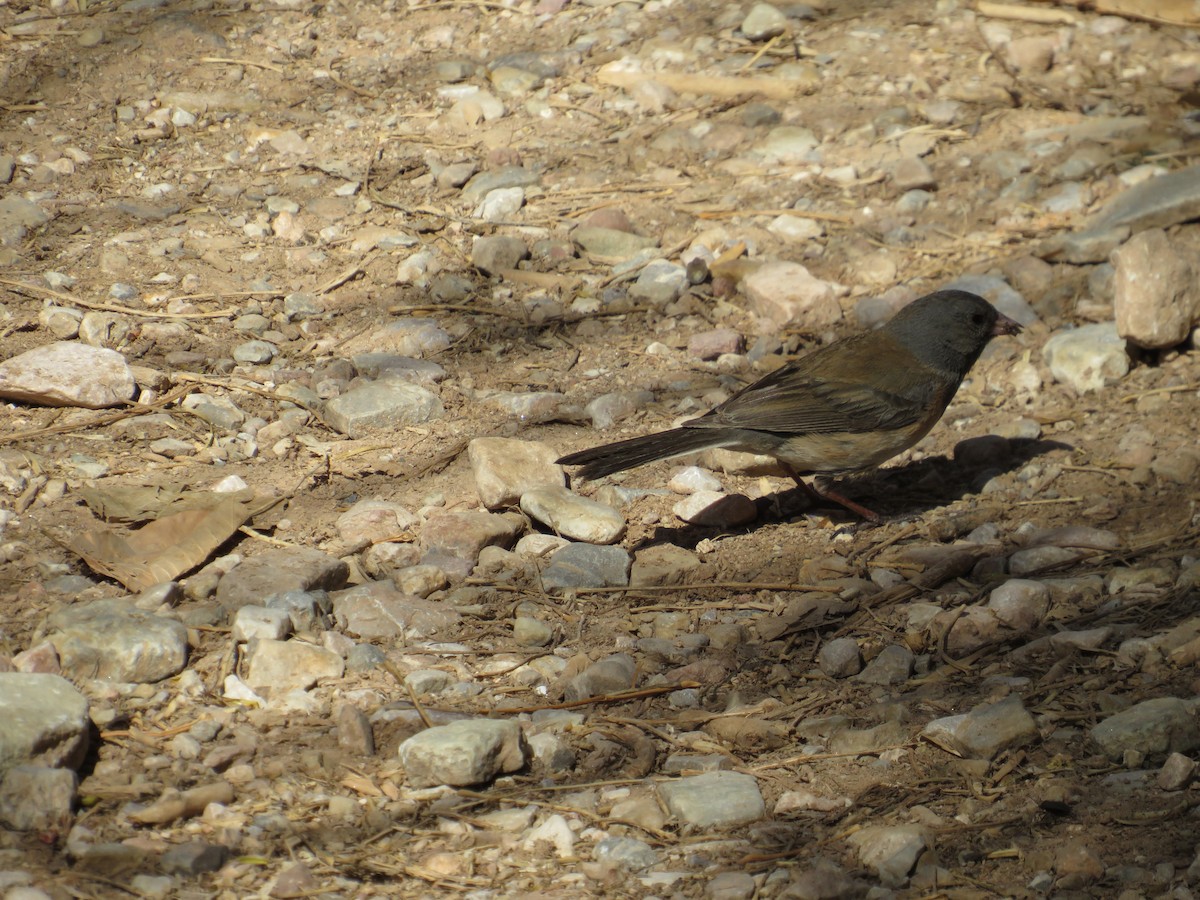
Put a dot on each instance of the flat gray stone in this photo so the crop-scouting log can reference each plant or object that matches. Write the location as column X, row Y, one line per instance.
column 377, row 610
column 68, row 374
column 37, row 797
column 472, row 751
column 284, row 666
column 383, row 404
column 114, row 641
column 257, row 579
column 714, row 799
column 587, row 565
column 985, row 731
column 1152, row 728
column 45, row 721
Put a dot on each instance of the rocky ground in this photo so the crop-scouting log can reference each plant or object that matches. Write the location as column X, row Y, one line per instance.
column 299, row 303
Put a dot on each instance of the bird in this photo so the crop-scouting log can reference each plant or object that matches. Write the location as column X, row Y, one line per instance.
column 844, row 408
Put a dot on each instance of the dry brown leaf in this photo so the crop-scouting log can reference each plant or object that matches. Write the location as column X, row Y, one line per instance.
column 162, row 550
column 1173, row 12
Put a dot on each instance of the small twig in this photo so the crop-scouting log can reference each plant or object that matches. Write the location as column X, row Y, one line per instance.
column 114, row 307
column 225, row 60
column 106, row 419
column 617, row 697
column 352, row 272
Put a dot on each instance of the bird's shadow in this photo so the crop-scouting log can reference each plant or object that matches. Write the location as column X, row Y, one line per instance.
column 896, row 493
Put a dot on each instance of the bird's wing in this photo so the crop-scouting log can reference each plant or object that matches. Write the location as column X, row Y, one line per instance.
column 832, row 390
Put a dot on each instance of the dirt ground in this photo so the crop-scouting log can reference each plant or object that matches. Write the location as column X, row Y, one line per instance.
column 182, row 211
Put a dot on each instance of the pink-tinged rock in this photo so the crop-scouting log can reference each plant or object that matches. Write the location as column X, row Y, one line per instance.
column 1157, row 294
column 377, row 610
column 786, row 294
column 505, row 468
column 68, row 374
column 463, row 533
column 709, row 345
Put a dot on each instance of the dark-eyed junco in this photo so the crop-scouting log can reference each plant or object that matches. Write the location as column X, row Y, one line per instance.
column 846, row 407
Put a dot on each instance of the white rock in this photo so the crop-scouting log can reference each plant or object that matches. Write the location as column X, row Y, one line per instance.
column 1087, row 358
column 573, row 516
column 506, row 468
column 68, row 374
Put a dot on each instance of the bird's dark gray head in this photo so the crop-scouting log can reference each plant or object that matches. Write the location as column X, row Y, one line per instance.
column 949, row 329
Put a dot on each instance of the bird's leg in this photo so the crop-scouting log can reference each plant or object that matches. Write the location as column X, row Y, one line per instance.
column 828, row 494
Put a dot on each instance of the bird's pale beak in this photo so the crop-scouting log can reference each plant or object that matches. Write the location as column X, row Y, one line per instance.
column 1005, row 325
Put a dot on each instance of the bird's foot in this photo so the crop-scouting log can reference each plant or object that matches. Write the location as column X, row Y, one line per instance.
column 828, row 494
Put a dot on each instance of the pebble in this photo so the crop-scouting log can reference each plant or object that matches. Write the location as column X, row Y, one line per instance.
column 1151, row 728
column 663, row 564
column 840, row 658
column 713, row 800
column 256, row 579
column 378, row 611
column 711, row 509
column 463, row 533
column 354, row 732
column 259, row 622
column 554, row 831
column 893, row 665
column 1155, row 203
column 497, row 253
column 110, row 641
column 255, row 353
column 1087, row 358
column 608, row 409
column 282, row 666
column 420, row 580
column 528, row 407
column 1033, row 560
column 787, row 144
column 1076, row 865
column 193, row 858
column 500, row 205
column 381, row 405
column 587, row 565
column 610, row 675
column 985, row 731
column 530, row 632
column 736, row 886
column 1156, row 294
column 506, row 468
column 371, row 521
column 68, row 374
column 796, row 228
column 787, row 295
column 467, row 752
column 625, row 853
column 891, row 850
column 36, row 798
column 708, row 345
column 413, row 337
column 305, row 610
column 763, row 22
column 659, row 282
column 572, row 516
column 913, row 173
column 693, row 479
column 610, row 243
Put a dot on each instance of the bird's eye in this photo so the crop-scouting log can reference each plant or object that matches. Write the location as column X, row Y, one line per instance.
column 978, row 318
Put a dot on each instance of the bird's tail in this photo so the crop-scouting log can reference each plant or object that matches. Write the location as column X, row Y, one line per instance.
column 608, row 458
